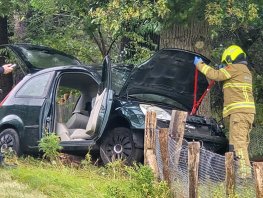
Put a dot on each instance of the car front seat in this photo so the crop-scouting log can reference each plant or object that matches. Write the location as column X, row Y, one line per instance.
column 92, row 123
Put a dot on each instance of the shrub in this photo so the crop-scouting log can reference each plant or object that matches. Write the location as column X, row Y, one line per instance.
column 49, row 144
column 87, row 161
column 144, row 182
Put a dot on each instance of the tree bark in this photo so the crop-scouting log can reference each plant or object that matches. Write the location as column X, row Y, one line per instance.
column 6, row 81
column 193, row 37
column 19, row 28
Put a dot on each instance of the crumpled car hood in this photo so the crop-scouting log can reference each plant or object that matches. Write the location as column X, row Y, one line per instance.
column 168, row 73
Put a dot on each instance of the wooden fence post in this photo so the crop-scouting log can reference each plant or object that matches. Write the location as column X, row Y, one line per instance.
column 258, row 172
column 230, row 174
column 176, row 128
column 163, row 138
column 149, row 142
column 193, row 164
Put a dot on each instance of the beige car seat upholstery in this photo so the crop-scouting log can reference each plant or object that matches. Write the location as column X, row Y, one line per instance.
column 94, row 114
column 80, row 134
column 77, row 121
column 62, row 132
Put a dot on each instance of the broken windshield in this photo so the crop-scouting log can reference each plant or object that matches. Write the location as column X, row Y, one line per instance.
column 43, row 57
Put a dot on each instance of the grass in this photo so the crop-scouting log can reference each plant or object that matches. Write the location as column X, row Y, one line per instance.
column 13, row 189
column 36, row 178
column 58, row 176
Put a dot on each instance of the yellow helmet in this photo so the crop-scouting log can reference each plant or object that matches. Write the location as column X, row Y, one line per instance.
column 233, row 53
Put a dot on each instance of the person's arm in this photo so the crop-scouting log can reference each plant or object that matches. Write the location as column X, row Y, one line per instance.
column 6, row 69
column 213, row 74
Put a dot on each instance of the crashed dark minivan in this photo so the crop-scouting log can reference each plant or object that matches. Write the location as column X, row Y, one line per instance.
column 108, row 114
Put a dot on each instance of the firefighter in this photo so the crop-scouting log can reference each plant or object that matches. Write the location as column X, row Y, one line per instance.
column 239, row 106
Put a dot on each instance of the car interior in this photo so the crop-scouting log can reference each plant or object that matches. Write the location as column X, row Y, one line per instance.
column 77, row 111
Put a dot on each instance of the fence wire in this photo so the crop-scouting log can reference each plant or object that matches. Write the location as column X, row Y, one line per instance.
column 211, row 173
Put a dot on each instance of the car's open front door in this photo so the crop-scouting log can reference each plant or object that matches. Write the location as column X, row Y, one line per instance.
column 102, row 105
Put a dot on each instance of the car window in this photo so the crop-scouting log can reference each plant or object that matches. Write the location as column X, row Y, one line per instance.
column 119, row 77
column 35, row 87
column 45, row 58
column 120, row 74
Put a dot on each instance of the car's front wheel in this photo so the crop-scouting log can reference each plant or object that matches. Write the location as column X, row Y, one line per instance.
column 119, row 144
column 9, row 139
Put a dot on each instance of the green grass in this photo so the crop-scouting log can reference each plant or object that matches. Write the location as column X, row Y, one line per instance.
column 63, row 182
column 57, row 180
column 13, row 189
column 38, row 178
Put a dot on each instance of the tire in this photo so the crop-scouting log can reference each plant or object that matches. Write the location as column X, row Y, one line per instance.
column 9, row 138
column 119, row 144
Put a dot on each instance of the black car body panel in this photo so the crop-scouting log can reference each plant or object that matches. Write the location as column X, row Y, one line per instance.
column 32, row 115
column 169, row 72
column 131, row 111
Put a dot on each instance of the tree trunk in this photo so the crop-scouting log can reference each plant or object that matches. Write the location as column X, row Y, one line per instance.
column 6, row 81
column 193, row 37
column 19, row 28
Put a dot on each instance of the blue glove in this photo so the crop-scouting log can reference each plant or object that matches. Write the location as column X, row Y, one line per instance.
column 221, row 66
column 197, row 60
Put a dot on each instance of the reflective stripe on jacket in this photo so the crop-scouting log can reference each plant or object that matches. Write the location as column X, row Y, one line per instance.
column 237, row 87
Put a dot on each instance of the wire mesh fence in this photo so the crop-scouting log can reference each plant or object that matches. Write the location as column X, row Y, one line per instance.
column 256, row 146
column 211, row 172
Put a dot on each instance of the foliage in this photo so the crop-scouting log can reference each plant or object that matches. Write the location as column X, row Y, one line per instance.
column 90, row 181
column 66, row 90
column 51, row 181
column 118, row 16
column 89, row 29
column 233, row 21
column 232, row 14
column 128, row 22
column 63, row 32
column 87, row 161
column 5, row 7
column 144, row 182
column 183, row 12
column 49, row 144
column 116, row 169
column 141, row 180
column 258, row 88
column 10, row 156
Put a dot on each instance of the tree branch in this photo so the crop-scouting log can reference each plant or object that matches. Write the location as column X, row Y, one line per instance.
column 98, row 43
column 111, row 44
column 102, row 43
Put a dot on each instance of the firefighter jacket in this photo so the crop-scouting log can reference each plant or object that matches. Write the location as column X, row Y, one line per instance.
column 237, row 87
